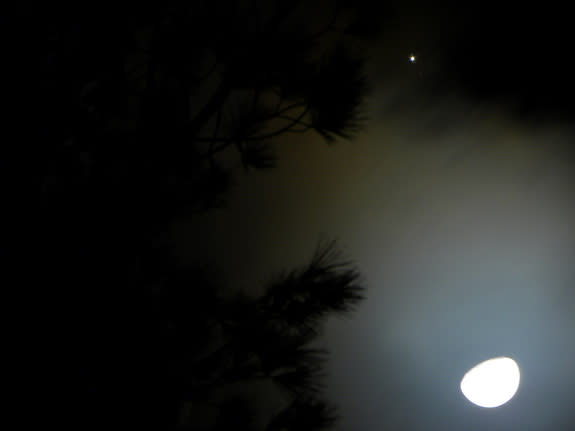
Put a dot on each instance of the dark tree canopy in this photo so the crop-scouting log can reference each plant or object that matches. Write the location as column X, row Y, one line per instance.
column 145, row 113
column 148, row 100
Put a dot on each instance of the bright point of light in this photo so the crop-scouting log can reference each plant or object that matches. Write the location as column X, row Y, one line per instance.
column 412, row 58
column 491, row 383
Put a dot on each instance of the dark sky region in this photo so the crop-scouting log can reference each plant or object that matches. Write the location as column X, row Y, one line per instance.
column 456, row 202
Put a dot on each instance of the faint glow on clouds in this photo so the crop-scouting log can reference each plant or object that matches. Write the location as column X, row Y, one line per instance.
column 491, row 383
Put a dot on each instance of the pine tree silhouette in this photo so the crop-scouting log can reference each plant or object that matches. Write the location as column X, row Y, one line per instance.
column 142, row 109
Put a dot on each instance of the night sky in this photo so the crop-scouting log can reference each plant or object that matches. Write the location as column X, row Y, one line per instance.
column 457, row 204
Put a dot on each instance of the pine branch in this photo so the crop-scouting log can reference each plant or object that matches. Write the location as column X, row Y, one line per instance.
column 228, row 141
column 281, row 130
column 295, row 120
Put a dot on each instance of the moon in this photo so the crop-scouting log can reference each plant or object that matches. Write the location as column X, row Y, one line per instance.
column 491, row 383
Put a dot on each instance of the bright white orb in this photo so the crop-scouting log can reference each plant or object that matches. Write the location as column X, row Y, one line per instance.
column 491, row 383
column 412, row 58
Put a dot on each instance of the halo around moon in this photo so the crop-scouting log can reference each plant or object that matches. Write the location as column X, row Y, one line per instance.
column 491, row 383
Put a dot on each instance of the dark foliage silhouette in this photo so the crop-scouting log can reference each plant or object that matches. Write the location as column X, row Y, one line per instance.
column 144, row 113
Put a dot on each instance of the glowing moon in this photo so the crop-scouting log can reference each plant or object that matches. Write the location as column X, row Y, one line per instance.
column 491, row 383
